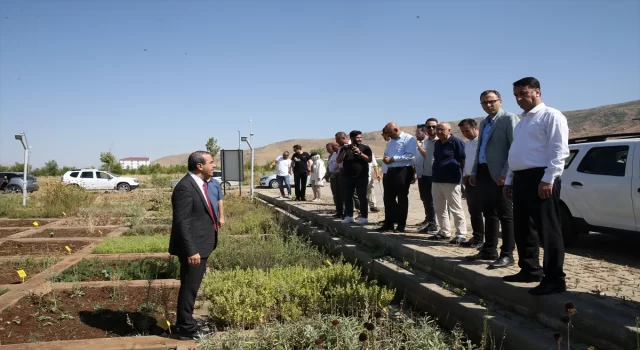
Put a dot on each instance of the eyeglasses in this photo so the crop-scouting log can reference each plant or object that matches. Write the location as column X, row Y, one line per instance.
column 430, row 127
column 490, row 102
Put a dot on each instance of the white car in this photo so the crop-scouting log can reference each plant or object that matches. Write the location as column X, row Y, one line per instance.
column 93, row 179
column 601, row 186
column 217, row 175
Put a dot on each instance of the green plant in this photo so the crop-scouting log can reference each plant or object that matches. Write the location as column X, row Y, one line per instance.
column 95, row 269
column 4, row 291
column 133, row 244
column 250, row 297
column 339, row 333
column 50, row 202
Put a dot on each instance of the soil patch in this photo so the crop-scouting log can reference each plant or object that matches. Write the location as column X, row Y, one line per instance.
column 11, row 248
column 97, row 221
column 72, row 232
column 88, row 313
column 23, row 223
column 6, row 232
column 31, row 267
column 99, row 270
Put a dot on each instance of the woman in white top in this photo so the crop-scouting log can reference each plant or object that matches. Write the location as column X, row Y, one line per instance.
column 318, row 171
column 283, row 170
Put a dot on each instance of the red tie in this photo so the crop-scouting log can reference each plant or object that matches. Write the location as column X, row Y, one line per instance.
column 206, row 194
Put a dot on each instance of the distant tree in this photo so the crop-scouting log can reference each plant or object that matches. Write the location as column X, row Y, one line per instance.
column 321, row 152
column 50, row 168
column 117, row 169
column 212, row 147
column 108, row 160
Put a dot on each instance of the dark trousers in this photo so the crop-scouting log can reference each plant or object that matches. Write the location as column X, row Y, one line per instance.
column 283, row 181
column 300, row 184
column 498, row 214
column 474, row 203
column 424, row 185
column 396, row 195
column 190, row 279
column 336, row 191
column 343, row 187
column 535, row 220
column 359, row 185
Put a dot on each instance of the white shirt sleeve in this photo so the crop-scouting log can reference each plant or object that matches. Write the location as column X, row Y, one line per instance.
column 558, row 146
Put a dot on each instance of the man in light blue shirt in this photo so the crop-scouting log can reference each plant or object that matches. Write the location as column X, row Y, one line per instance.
column 399, row 157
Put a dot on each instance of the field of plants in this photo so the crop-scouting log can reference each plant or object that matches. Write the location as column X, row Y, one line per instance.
column 97, row 266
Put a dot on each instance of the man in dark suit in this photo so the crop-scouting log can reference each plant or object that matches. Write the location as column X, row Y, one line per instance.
column 488, row 175
column 194, row 236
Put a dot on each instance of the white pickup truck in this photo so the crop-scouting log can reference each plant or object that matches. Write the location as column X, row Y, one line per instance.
column 601, row 186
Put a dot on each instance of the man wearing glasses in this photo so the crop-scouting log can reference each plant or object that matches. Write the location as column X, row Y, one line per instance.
column 488, row 175
column 424, row 158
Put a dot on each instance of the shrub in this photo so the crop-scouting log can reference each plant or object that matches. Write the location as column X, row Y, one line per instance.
column 264, row 252
column 50, row 202
column 319, row 332
column 251, row 297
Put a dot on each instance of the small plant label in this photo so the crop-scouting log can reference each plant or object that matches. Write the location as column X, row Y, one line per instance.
column 67, row 248
column 36, row 224
column 22, row 274
column 64, row 214
column 164, row 324
column 51, row 234
column 100, row 232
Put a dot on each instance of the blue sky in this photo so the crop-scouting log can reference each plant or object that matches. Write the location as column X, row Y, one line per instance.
column 155, row 78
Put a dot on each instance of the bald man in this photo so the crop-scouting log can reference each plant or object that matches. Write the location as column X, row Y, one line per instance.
column 399, row 156
column 448, row 163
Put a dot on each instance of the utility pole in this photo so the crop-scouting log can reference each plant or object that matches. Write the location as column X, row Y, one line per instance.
column 241, row 174
column 252, row 157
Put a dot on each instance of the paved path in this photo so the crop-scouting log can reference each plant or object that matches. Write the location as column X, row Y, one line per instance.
column 597, row 263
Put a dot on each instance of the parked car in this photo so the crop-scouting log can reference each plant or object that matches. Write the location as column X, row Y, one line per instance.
column 601, row 186
column 217, row 175
column 16, row 181
column 270, row 181
column 93, row 179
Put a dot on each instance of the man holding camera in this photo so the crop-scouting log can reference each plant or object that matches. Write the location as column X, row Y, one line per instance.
column 355, row 158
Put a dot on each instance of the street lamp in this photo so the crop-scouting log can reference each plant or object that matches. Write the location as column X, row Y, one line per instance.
column 246, row 139
column 23, row 139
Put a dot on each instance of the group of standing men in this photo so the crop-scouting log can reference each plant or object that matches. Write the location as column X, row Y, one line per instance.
column 510, row 167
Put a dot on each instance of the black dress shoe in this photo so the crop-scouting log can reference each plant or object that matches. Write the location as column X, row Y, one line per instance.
column 438, row 237
column 374, row 210
column 196, row 334
column 384, row 229
column 399, row 229
column 546, row 288
column 472, row 243
column 522, row 277
column 481, row 256
column 502, row 261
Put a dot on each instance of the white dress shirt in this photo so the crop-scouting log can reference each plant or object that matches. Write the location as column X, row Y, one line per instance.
column 200, row 182
column 403, row 150
column 540, row 139
column 470, row 148
column 333, row 165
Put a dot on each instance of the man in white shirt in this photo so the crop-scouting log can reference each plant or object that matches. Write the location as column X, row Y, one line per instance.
column 374, row 174
column 283, row 170
column 469, row 128
column 536, row 161
column 424, row 160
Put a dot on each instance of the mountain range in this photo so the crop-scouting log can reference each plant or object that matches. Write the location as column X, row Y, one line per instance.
column 608, row 119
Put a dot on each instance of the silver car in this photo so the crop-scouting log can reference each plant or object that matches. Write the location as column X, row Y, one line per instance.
column 270, row 181
column 16, row 181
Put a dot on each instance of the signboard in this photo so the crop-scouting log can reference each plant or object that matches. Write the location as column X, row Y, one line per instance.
column 232, row 165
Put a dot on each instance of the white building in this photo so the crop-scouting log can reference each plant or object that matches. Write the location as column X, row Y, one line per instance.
column 134, row 162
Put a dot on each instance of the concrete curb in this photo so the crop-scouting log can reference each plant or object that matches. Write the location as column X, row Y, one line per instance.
column 601, row 322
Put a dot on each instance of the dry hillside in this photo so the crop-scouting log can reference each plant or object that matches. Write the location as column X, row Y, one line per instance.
column 610, row 119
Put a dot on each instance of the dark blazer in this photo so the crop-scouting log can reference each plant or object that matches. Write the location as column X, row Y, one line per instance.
column 192, row 226
column 498, row 144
